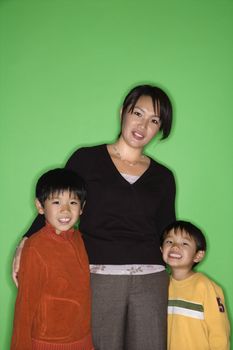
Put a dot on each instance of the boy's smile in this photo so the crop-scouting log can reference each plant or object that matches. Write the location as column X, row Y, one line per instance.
column 61, row 210
column 174, row 255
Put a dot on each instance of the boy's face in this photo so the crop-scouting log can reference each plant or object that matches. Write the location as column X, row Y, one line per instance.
column 61, row 210
column 180, row 251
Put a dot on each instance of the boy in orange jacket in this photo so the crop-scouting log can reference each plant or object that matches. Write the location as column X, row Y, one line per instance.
column 53, row 305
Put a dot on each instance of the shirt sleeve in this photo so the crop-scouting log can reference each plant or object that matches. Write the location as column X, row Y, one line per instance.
column 216, row 318
column 32, row 269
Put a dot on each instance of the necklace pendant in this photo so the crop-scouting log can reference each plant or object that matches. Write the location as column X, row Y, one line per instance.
column 131, row 164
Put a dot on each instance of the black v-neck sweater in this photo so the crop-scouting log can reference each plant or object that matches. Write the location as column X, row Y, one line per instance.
column 122, row 222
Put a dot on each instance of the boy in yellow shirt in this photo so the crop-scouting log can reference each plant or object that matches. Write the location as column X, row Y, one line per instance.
column 197, row 317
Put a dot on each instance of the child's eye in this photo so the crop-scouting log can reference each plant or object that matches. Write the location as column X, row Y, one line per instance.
column 74, row 202
column 185, row 243
column 55, row 202
column 168, row 241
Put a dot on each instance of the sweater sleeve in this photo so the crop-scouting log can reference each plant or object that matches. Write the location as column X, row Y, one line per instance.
column 78, row 161
column 216, row 318
column 166, row 214
column 30, row 286
column 37, row 224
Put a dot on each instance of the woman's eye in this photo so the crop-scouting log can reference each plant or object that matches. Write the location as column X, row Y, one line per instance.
column 156, row 121
column 138, row 114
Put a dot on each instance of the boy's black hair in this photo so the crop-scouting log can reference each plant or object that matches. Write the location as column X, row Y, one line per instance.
column 192, row 230
column 159, row 97
column 59, row 180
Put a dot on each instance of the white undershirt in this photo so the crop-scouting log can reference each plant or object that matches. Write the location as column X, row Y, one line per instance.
column 130, row 178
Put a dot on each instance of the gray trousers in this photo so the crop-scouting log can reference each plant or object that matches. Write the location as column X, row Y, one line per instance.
column 129, row 312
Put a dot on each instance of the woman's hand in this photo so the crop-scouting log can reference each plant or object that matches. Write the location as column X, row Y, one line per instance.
column 16, row 261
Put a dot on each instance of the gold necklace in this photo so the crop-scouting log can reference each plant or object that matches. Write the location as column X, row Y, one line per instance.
column 125, row 160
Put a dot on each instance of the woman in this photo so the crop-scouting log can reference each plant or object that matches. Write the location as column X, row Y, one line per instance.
column 130, row 199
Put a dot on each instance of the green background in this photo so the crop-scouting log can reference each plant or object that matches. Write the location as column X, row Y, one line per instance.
column 65, row 67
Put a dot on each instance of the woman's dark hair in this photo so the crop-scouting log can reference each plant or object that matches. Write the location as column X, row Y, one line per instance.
column 59, row 180
column 192, row 230
column 159, row 97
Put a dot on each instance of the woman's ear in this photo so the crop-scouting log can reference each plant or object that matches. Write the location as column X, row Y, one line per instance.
column 39, row 206
column 199, row 256
column 121, row 114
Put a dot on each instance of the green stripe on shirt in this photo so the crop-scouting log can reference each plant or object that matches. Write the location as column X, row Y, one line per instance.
column 186, row 305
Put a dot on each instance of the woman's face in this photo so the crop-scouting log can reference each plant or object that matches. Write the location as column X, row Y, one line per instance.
column 142, row 124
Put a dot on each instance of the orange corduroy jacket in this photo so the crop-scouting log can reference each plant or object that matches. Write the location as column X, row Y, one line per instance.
column 53, row 305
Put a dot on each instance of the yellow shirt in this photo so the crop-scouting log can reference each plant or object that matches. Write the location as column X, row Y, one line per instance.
column 197, row 317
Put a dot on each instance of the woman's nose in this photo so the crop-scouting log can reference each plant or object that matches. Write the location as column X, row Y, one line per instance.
column 142, row 123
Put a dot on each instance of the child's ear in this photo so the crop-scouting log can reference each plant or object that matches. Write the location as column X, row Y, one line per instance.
column 39, row 206
column 199, row 256
column 81, row 211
